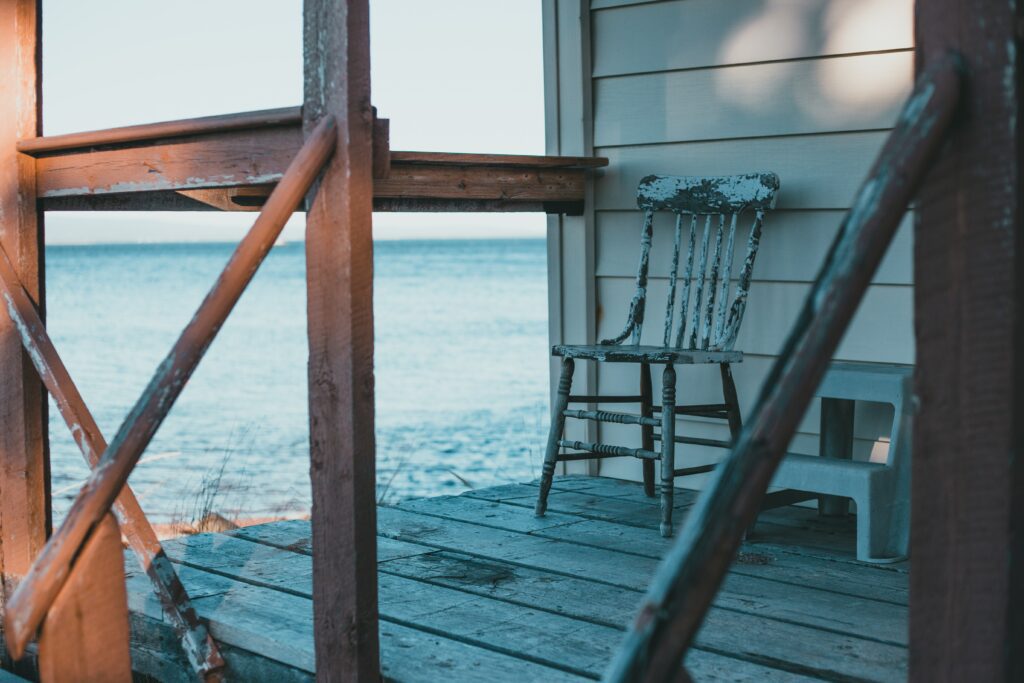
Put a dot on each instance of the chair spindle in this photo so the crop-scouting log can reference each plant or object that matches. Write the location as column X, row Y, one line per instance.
column 635, row 319
column 687, row 275
column 723, row 304
column 698, row 295
column 709, row 308
column 739, row 302
column 673, row 275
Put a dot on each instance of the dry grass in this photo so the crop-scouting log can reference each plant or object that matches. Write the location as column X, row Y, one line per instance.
column 217, row 504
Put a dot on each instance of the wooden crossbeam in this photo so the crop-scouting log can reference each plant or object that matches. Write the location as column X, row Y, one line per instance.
column 199, row 647
column 202, row 164
column 36, row 592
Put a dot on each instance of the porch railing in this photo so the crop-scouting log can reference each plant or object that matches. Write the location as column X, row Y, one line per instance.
column 688, row 578
column 39, row 589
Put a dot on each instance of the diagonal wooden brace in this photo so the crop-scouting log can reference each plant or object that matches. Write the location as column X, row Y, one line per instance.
column 199, row 647
column 37, row 591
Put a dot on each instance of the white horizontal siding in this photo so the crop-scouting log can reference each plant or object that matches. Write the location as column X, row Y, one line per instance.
column 689, row 34
column 755, row 100
column 816, row 171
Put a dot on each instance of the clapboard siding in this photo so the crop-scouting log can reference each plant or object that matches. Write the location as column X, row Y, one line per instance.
column 689, row 34
column 816, row 171
column 618, row 246
column 881, row 330
column 822, row 96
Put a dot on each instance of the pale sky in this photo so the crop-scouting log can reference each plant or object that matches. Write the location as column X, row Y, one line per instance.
column 452, row 75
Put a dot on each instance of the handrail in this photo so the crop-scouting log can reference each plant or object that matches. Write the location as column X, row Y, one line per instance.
column 285, row 116
column 37, row 590
column 688, row 578
column 199, row 647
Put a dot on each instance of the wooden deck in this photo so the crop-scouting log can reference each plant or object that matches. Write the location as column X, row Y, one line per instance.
column 473, row 587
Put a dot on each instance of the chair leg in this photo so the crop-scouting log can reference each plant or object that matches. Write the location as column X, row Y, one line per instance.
column 647, row 431
column 668, row 447
column 731, row 400
column 557, row 426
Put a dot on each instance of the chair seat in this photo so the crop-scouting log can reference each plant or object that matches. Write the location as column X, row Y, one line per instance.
column 620, row 353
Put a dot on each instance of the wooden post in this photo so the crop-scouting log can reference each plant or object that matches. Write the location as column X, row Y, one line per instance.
column 339, row 271
column 85, row 635
column 967, row 540
column 24, row 461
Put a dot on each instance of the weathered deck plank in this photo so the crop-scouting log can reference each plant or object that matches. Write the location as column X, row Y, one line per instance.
column 574, row 645
column 831, row 539
column 767, row 560
column 268, row 624
column 825, row 624
column 475, row 587
column 765, row 576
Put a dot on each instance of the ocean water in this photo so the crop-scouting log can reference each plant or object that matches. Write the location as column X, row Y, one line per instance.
column 461, row 370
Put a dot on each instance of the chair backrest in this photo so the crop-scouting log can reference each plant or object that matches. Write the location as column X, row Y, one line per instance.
column 718, row 200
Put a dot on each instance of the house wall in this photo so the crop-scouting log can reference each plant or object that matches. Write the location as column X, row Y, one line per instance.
column 805, row 88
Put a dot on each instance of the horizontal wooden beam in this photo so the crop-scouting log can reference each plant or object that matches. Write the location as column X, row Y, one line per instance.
column 288, row 116
column 231, row 163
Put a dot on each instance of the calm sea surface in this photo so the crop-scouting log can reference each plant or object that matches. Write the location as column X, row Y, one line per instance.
column 461, row 370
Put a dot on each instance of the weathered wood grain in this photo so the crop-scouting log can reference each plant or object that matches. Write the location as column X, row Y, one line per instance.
column 516, row 626
column 416, row 181
column 27, row 606
column 242, row 157
column 528, row 589
column 885, row 621
column 967, row 497
column 766, row 581
column 85, row 635
column 576, row 647
column 829, row 539
column 339, row 315
column 781, row 563
column 24, row 457
column 201, row 650
column 89, row 140
column 278, row 626
column 155, row 654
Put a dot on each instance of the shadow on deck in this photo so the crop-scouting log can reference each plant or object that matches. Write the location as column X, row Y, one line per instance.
column 473, row 587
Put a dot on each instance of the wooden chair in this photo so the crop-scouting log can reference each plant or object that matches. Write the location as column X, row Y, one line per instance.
column 704, row 330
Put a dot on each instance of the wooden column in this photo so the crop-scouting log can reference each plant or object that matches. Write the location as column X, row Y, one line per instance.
column 339, row 257
column 24, row 464
column 967, row 612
